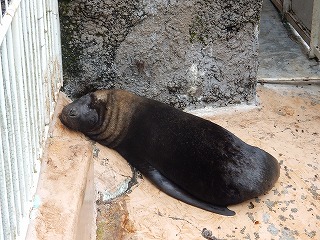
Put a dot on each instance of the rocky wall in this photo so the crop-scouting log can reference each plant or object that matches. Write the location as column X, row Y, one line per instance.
column 190, row 53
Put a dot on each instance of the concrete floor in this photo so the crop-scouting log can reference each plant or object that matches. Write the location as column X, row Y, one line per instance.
column 286, row 123
column 281, row 55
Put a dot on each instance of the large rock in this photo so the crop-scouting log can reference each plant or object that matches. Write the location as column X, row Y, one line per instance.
column 186, row 53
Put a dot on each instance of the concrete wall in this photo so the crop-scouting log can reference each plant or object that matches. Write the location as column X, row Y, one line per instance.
column 190, row 53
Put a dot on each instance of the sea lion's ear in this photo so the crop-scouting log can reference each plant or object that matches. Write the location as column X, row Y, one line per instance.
column 93, row 100
column 97, row 104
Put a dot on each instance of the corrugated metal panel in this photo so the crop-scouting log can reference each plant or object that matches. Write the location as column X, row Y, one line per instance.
column 30, row 66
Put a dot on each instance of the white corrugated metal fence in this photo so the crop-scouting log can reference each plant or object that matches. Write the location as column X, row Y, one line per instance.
column 31, row 75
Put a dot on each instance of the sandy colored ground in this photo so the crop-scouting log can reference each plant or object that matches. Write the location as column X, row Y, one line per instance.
column 286, row 123
column 60, row 199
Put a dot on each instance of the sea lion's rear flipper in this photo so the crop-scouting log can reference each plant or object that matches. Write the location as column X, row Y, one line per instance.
column 176, row 192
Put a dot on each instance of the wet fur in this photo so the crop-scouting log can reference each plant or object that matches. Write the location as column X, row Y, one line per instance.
column 190, row 158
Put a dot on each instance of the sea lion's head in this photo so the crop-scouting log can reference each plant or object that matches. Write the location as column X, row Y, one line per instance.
column 80, row 115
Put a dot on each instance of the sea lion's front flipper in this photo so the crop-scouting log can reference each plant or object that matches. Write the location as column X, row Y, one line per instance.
column 176, row 192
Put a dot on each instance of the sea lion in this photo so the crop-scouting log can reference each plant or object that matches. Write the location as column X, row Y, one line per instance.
column 187, row 157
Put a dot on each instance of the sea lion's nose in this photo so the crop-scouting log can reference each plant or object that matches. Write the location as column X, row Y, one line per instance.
column 72, row 112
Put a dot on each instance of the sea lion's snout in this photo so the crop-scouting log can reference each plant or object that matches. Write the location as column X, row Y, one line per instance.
column 73, row 113
column 68, row 116
column 79, row 116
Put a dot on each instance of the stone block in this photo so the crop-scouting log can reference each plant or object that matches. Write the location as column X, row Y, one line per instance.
column 189, row 54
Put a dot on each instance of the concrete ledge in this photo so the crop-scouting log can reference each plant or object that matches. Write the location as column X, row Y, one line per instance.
column 65, row 188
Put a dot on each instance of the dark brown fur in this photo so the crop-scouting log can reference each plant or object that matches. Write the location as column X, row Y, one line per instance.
column 189, row 158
